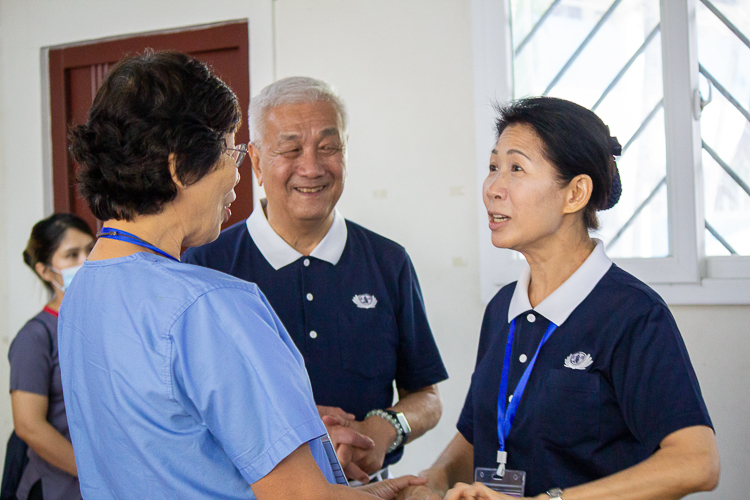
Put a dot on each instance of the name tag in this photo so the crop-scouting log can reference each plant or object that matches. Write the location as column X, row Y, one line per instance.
column 513, row 483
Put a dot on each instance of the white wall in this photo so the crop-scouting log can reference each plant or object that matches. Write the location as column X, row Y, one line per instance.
column 405, row 69
column 718, row 341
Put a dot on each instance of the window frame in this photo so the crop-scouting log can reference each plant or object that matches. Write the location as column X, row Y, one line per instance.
column 685, row 277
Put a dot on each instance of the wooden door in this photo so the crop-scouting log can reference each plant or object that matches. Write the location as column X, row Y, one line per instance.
column 76, row 73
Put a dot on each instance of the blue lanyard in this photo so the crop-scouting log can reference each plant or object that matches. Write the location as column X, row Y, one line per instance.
column 505, row 419
column 119, row 234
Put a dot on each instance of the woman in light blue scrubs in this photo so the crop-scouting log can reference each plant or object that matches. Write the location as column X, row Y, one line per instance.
column 583, row 388
column 180, row 381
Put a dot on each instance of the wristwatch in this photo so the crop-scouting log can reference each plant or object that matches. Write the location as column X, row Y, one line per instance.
column 555, row 494
column 398, row 421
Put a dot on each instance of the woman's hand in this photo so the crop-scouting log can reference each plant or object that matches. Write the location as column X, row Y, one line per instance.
column 476, row 491
column 390, row 488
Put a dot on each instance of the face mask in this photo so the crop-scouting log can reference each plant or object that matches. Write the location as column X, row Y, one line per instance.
column 67, row 276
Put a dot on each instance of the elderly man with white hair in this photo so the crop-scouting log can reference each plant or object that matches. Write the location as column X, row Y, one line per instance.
column 349, row 298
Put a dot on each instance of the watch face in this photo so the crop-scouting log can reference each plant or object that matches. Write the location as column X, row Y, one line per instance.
column 404, row 423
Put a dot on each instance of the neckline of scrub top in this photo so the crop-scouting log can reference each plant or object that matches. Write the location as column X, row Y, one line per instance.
column 279, row 253
column 563, row 301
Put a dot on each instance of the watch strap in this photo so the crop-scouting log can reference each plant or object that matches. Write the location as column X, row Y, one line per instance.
column 405, row 427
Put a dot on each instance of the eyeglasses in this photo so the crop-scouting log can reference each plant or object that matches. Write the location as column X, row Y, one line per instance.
column 238, row 154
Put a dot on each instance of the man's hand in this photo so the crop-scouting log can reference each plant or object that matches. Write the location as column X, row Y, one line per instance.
column 348, row 441
column 390, row 488
column 334, row 411
column 336, row 421
column 360, row 461
column 419, row 493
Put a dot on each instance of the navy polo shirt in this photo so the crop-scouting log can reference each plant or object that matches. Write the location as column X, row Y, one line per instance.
column 353, row 307
column 610, row 383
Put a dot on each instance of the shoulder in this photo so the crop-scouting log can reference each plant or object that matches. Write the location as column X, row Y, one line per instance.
column 628, row 309
column 224, row 246
column 36, row 333
column 173, row 285
column 380, row 245
column 621, row 289
column 198, row 280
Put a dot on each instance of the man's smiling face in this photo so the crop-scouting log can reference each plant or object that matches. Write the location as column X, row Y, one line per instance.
column 301, row 163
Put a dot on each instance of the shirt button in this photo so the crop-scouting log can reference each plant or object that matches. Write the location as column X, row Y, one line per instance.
column 306, row 262
column 522, row 358
column 313, row 334
column 309, row 296
column 531, row 318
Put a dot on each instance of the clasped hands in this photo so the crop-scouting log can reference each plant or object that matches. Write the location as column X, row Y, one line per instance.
column 460, row 491
column 361, row 447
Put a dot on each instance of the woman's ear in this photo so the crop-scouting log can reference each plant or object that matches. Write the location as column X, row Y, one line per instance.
column 44, row 272
column 254, row 154
column 579, row 193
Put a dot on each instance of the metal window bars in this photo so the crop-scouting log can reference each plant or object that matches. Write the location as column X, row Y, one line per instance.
column 582, row 46
column 712, row 81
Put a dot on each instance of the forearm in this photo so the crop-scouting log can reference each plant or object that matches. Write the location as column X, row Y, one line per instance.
column 30, row 422
column 675, row 470
column 421, row 408
column 50, row 445
column 298, row 476
column 455, row 463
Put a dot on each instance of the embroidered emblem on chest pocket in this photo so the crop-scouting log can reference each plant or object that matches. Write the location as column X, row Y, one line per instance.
column 578, row 361
column 365, row 301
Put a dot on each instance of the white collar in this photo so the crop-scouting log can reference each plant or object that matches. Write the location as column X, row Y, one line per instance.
column 561, row 303
column 279, row 253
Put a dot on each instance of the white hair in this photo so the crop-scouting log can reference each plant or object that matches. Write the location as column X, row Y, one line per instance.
column 291, row 90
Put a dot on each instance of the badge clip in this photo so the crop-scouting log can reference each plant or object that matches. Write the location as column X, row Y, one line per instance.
column 502, row 459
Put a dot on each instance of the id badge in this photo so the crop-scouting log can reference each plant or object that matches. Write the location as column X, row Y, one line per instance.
column 513, row 483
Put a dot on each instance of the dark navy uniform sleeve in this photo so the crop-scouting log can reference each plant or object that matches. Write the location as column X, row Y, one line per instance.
column 465, row 423
column 419, row 362
column 654, row 380
column 30, row 357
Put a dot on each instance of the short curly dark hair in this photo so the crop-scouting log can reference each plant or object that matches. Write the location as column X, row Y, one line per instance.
column 149, row 107
column 576, row 142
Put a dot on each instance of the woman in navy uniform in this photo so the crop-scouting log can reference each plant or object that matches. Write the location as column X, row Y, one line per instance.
column 582, row 385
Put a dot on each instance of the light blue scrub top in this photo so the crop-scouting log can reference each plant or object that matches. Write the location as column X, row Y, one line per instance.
column 179, row 381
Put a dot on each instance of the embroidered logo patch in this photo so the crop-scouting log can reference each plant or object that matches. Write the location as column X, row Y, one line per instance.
column 578, row 361
column 365, row 301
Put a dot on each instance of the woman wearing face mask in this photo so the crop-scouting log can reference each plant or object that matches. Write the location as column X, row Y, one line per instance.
column 57, row 248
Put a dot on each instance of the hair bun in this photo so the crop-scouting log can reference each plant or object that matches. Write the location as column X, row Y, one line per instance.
column 616, row 146
column 615, row 191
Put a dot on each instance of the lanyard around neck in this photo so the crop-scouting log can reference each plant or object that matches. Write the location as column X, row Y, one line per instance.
column 505, row 418
column 119, row 234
